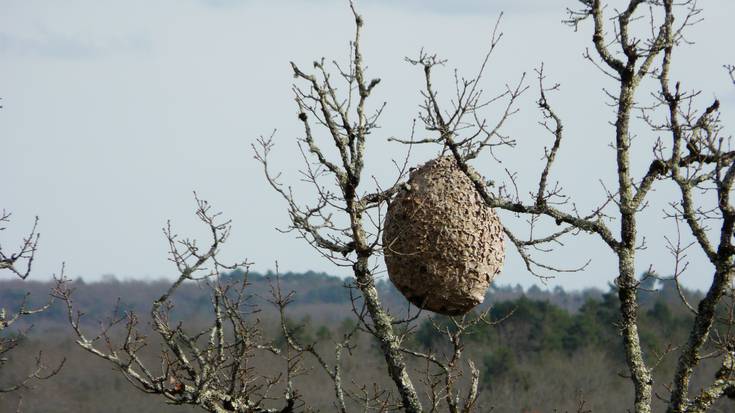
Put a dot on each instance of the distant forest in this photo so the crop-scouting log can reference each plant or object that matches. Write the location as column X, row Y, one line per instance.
column 552, row 351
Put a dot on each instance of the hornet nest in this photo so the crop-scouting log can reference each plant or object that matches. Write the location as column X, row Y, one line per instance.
column 443, row 245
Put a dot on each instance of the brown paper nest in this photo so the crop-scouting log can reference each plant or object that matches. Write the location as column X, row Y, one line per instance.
column 443, row 245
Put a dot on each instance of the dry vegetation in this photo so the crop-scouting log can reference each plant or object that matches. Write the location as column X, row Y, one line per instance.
column 552, row 348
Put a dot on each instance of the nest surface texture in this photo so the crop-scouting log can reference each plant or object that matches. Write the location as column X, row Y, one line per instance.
column 443, row 245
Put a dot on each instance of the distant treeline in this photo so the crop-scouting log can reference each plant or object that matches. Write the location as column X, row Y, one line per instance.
column 311, row 289
column 553, row 349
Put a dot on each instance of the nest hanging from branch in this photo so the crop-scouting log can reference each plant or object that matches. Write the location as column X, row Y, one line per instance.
column 443, row 245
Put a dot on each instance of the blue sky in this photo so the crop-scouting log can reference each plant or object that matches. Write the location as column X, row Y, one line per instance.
column 114, row 112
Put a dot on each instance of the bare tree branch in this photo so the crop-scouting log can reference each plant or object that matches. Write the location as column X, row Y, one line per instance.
column 19, row 264
column 211, row 368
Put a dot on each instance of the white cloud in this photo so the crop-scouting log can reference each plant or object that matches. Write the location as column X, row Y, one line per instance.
column 64, row 46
